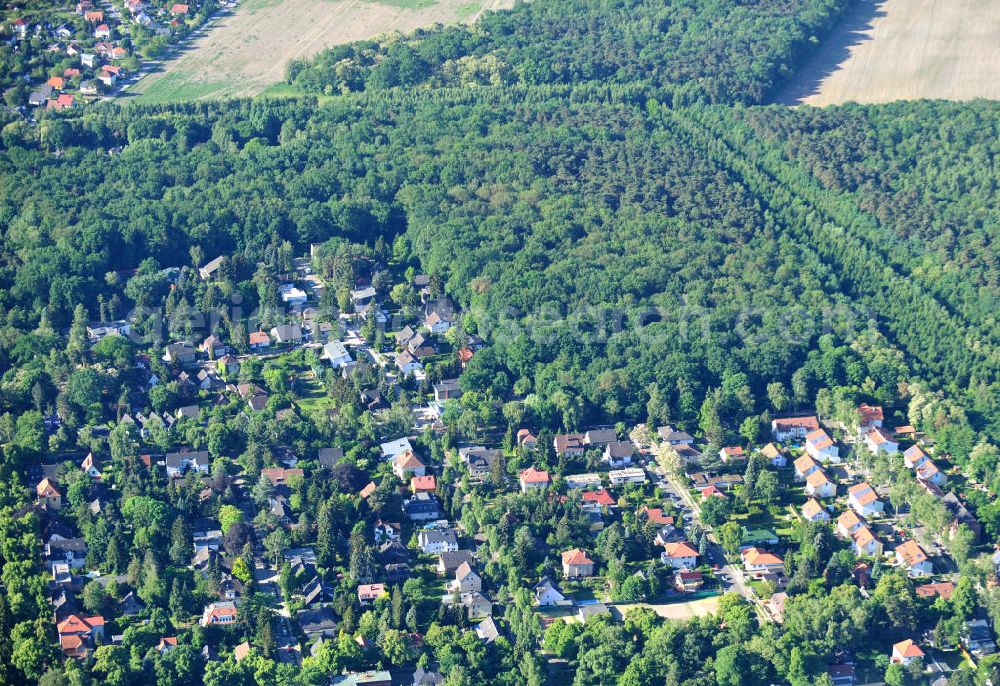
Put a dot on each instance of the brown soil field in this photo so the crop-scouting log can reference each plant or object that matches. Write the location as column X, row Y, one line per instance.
column 245, row 52
column 905, row 50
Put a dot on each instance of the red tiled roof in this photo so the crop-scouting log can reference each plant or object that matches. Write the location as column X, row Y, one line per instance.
column 534, row 476
column 576, row 557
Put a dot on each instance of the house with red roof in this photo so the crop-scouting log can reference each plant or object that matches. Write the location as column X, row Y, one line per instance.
column 369, row 593
column 864, row 500
column 878, row 440
column 423, row 484
column 793, row 428
column 57, row 82
column 77, row 634
column 259, row 340
column 869, row 417
column 48, row 495
column 576, row 564
column 223, row 613
column 656, row 516
column 599, row 498
column 731, row 453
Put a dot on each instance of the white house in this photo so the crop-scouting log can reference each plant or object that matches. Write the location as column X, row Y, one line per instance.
column 864, row 543
column 438, row 322
column 818, row 485
column 618, row 453
column 821, row 447
column 292, row 296
column 466, row 580
column 912, row 557
column 337, row 354
column 631, row 475
column 864, row 500
column 547, row 593
column 804, row 466
column 759, row 562
column 193, row 460
column 793, row 428
column 905, row 652
column 435, row 541
column 407, row 363
column 879, row 441
column 813, row 511
column 393, row 448
column 679, row 555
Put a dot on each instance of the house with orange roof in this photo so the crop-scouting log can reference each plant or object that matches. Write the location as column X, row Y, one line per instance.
column 598, row 498
column 804, row 466
column 223, row 613
column 945, row 589
column 905, row 652
column 912, row 557
column 775, row 455
column 423, row 484
column 864, row 500
column 166, row 644
column 730, row 453
column 758, row 562
column 864, row 543
column 576, row 564
column 89, row 466
column 878, row 440
column 48, row 495
column 77, row 634
column 679, row 555
column 712, row 491
column 818, row 485
column 848, row 522
column 656, row 516
column 366, row 492
column 914, row 456
column 813, row 511
column 930, row 473
column 407, row 464
column 57, row 82
column 532, row 478
column 279, row 476
column 526, row 439
column 821, row 447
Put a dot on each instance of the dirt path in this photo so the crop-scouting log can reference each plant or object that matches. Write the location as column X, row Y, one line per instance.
column 903, row 50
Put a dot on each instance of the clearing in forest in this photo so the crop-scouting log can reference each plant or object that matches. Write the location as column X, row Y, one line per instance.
column 245, row 52
column 887, row 50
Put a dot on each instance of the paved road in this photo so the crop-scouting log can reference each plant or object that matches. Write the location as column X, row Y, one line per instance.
column 716, row 555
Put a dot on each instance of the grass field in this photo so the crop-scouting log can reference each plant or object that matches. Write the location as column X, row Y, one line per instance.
column 245, row 53
column 904, row 50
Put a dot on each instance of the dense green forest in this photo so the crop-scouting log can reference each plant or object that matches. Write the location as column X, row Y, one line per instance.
column 679, row 51
column 640, row 245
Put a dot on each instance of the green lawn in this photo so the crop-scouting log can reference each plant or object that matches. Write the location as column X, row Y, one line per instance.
column 178, row 86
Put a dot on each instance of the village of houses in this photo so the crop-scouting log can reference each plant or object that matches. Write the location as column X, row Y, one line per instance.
column 69, row 56
column 821, row 481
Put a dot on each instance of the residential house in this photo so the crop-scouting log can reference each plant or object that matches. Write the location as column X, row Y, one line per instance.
column 222, row 613
column 597, row 499
column 961, row 516
column 849, row 522
column 588, row 480
column 258, row 340
column 600, row 437
column 629, row 475
column 576, row 564
column 449, row 561
column 913, row 457
column 406, row 464
column 531, row 479
column 618, row 453
column 944, row 589
column 423, row 484
column 438, row 322
column 479, row 460
column 863, row 499
column 526, row 439
column 671, row 436
column 406, row 363
column 571, row 445
column 387, row 531
column 869, row 417
column 679, row 555
column 547, row 593
column 928, row 472
column 804, row 466
column 287, row 333
column 759, row 563
column 393, row 448
column 912, row 557
column 336, row 354
column 318, row 622
column 47, row 495
column 211, row 269
column 178, row 463
column 90, row 467
column 793, row 428
column 818, row 485
column 487, row 631
column 79, row 634
column 813, row 511
column 864, row 543
column 381, row 677
column 588, row 610
column 821, row 447
column 71, row 552
column 978, row 639
column 422, row 677
column 422, row 507
column 775, row 455
column 466, row 580
column 878, row 440
column 905, row 652
column 436, row 541
column 448, row 389
column 182, row 353
column 292, row 296
column 688, row 580
column 369, row 593
column 731, row 453
column 98, row 330
column 477, row 606
column 213, row 347
column 280, row 476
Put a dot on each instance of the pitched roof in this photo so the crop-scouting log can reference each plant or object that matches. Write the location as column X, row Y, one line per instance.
column 795, row 422
column 879, row 436
column 407, row 460
column 907, row 648
column 817, row 478
column 576, row 557
column 863, row 493
column 600, row 497
column 534, row 476
column 258, row 337
column 771, row 451
column 755, row 557
column 804, row 463
column 46, row 489
column 849, row 519
column 819, row 439
column 812, row 508
column 943, row 589
column 870, row 413
column 911, row 553
column 679, row 549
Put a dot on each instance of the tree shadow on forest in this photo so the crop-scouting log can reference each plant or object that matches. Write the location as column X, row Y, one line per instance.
column 832, row 53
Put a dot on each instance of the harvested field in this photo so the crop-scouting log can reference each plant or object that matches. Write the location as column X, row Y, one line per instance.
column 682, row 610
column 245, row 52
column 889, row 50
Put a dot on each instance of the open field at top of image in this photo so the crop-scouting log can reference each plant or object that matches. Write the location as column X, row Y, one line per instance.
column 245, row 52
column 887, row 50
